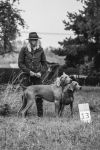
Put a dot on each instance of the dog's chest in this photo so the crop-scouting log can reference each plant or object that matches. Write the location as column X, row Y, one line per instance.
column 57, row 92
column 68, row 97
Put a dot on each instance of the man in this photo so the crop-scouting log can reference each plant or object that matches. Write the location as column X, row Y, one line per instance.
column 32, row 62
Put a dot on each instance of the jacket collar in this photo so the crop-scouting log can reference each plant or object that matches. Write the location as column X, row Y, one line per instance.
column 36, row 47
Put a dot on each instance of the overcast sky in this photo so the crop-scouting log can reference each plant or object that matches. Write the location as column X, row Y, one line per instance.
column 46, row 16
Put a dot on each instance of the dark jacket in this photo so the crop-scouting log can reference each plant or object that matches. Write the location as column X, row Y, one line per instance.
column 32, row 61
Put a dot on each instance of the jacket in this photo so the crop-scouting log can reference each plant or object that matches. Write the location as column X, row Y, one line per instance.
column 32, row 61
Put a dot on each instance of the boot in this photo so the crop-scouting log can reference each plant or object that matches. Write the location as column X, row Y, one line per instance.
column 39, row 103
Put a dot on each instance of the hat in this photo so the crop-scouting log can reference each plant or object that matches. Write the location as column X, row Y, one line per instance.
column 33, row 35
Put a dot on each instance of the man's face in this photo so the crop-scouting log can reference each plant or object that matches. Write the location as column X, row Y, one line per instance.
column 33, row 42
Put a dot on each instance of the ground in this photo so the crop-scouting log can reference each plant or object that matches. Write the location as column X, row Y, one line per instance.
column 50, row 132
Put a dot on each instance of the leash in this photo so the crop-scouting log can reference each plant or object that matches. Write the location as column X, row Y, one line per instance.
column 44, row 78
column 55, row 74
column 47, row 74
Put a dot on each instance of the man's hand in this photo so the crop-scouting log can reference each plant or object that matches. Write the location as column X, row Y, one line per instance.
column 38, row 74
column 32, row 73
column 35, row 74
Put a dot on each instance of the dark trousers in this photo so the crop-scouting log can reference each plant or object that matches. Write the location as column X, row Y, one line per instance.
column 27, row 81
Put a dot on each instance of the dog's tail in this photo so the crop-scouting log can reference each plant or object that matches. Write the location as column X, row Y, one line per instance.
column 24, row 103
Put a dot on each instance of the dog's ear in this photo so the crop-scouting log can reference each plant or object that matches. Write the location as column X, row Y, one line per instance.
column 71, row 87
column 74, row 83
column 63, row 76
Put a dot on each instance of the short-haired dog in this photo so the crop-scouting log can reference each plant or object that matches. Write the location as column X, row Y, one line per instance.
column 68, row 96
column 51, row 93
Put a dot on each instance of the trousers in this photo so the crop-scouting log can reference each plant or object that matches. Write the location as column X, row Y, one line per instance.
column 27, row 81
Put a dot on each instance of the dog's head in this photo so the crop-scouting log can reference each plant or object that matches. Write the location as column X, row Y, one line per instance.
column 74, row 86
column 63, row 80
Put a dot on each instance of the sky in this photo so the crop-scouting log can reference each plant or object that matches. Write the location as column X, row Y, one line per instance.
column 46, row 18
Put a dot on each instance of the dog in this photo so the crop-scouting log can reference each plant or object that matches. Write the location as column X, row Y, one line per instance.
column 50, row 93
column 68, row 96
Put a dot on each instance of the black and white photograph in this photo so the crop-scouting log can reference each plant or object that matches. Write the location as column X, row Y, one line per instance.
column 49, row 74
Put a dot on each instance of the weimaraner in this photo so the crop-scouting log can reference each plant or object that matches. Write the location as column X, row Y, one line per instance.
column 51, row 93
column 68, row 96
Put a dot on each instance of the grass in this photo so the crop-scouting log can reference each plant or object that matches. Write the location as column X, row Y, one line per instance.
column 50, row 132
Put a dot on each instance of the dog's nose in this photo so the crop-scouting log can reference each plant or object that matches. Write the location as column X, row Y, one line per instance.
column 80, row 87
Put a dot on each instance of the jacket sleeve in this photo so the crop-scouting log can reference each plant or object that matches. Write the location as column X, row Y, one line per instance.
column 21, row 62
column 43, row 63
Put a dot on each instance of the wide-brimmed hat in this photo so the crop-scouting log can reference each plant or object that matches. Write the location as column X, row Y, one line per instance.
column 33, row 36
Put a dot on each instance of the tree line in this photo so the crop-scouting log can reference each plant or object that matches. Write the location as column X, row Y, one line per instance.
column 83, row 50
column 10, row 20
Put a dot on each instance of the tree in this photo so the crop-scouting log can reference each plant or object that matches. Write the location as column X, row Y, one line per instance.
column 86, row 27
column 10, row 20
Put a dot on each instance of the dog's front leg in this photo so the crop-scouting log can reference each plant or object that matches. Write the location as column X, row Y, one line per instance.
column 61, row 109
column 71, row 107
column 56, row 107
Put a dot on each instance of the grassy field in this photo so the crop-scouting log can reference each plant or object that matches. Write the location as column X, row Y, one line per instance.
column 50, row 132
